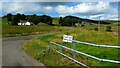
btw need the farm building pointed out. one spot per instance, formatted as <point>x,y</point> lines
<point>24,23</point>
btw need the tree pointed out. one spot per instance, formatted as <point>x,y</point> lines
<point>60,20</point>
<point>66,22</point>
<point>49,20</point>
<point>46,19</point>
<point>30,18</point>
<point>34,19</point>
<point>18,15</point>
<point>9,17</point>
<point>69,21</point>
<point>23,17</point>
<point>16,19</point>
<point>37,19</point>
<point>109,28</point>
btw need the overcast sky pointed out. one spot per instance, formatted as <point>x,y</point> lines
<point>84,9</point>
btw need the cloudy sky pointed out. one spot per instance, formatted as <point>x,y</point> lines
<point>105,10</point>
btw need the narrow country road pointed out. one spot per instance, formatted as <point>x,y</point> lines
<point>13,55</point>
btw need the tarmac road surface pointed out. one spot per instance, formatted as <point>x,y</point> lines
<point>13,55</point>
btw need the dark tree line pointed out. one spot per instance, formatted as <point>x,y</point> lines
<point>15,19</point>
<point>9,17</point>
<point>69,21</point>
<point>37,19</point>
<point>72,20</point>
<point>46,19</point>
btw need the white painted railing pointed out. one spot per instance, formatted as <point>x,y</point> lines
<point>97,45</point>
<point>75,51</point>
<point>108,46</point>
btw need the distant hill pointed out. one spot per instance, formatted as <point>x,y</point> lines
<point>76,19</point>
<point>111,21</point>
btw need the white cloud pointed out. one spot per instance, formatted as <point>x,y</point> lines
<point>47,9</point>
<point>20,7</point>
<point>62,15</point>
<point>62,9</point>
<point>104,17</point>
<point>24,7</point>
<point>84,8</point>
<point>96,16</point>
<point>94,10</point>
<point>112,17</point>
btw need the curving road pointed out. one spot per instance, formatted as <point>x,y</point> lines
<point>12,54</point>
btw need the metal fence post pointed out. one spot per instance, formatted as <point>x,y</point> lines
<point>74,49</point>
<point>49,46</point>
<point>60,48</point>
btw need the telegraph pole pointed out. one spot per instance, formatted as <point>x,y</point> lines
<point>99,25</point>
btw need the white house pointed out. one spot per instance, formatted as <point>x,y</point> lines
<point>24,23</point>
<point>27,23</point>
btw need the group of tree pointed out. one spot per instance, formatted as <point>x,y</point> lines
<point>69,21</point>
<point>37,19</point>
<point>15,19</point>
<point>9,17</point>
<point>72,20</point>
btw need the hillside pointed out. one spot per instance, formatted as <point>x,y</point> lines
<point>77,19</point>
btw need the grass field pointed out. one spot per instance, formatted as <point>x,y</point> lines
<point>5,22</point>
<point>80,34</point>
<point>56,21</point>
<point>13,31</point>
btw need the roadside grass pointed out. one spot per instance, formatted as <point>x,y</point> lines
<point>37,46</point>
<point>39,51</point>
